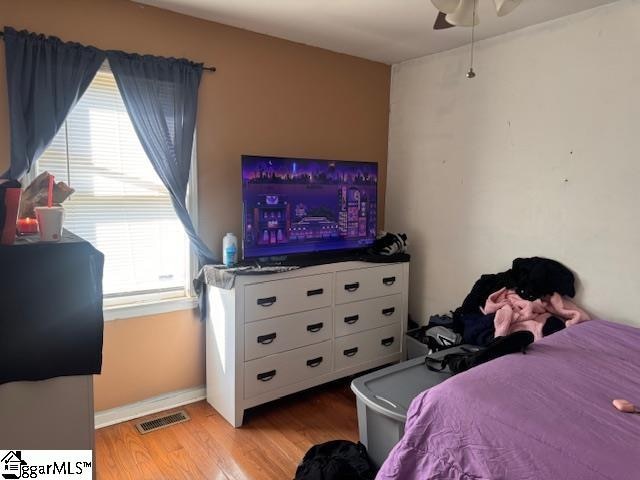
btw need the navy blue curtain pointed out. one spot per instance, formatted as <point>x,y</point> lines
<point>161,98</point>
<point>45,79</point>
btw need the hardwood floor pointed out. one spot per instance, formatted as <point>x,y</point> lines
<point>270,444</point>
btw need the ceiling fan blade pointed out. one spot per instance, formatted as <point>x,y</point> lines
<point>441,22</point>
<point>446,6</point>
<point>464,15</point>
<point>504,7</point>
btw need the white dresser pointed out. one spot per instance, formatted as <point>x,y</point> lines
<point>272,335</point>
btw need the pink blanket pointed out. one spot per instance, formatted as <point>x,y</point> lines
<point>513,313</point>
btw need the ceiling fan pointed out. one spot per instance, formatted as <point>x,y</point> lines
<point>462,13</point>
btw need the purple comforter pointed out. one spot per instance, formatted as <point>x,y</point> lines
<point>546,415</point>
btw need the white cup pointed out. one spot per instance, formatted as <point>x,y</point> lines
<point>50,223</point>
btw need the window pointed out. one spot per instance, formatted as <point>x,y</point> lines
<point>119,205</point>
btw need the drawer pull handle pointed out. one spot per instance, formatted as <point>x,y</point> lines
<point>352,287</point>
<point>267,339</point>
<point>315,327</point>
<point>352,319</point>
<point>350,352</point>
<point>388,281</point>
<point>266,302</point>
<point>266,376</point>
<point>388,311</point>
<point>387,341</point>
<point>314,362</point>
<point>317,291</point>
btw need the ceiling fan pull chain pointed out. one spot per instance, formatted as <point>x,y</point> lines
<point>471,73</point>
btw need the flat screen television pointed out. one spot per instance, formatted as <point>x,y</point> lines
<point>303,206</point>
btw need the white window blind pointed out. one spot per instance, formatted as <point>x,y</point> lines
<point>119,204</point>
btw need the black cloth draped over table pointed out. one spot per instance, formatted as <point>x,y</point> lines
<point>50,309</point>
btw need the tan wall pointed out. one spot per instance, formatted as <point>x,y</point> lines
<point>269,96</point>
<point>146,356</point>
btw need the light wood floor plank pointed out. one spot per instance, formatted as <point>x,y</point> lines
<point>269,445</point>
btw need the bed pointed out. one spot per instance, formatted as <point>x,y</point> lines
<point>544,415</point>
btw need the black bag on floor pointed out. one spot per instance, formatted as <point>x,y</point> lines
<point>336,460</point>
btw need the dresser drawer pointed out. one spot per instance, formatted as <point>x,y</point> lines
<point>373,282</point>
<point>367,314</point>
<point>281,369</point>
<point>290,295</point>
<point>365,346</point>
<point>275,335</point>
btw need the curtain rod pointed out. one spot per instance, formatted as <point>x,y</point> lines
<point>209,69</point>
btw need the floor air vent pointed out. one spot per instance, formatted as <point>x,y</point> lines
<point>162,422</point>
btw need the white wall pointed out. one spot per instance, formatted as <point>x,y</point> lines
<point>538,155</point>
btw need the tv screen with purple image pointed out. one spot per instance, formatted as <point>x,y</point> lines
<point>298,205</point>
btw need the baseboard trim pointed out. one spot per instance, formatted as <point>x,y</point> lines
<point>104,418</point>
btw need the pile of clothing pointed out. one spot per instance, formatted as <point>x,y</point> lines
<point>531,296</point>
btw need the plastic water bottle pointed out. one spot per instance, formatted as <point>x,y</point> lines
<point>229,250</point>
